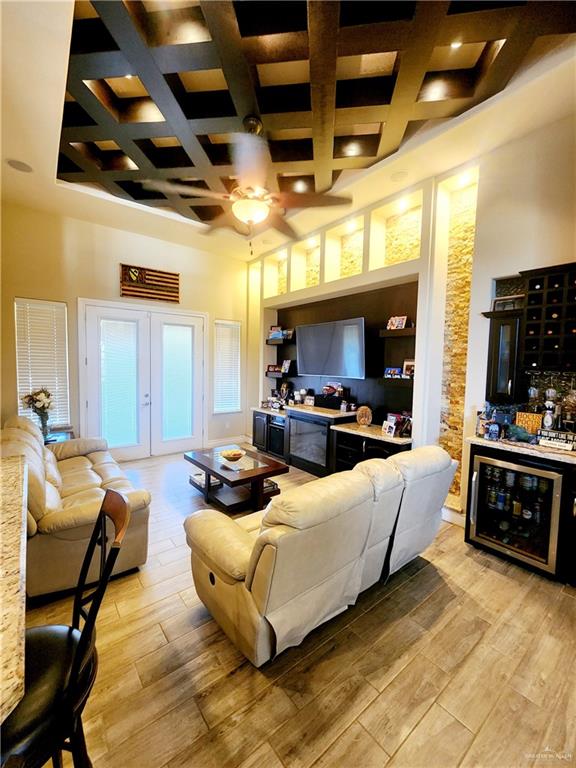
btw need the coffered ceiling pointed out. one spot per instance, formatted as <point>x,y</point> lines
<point>156,87</point>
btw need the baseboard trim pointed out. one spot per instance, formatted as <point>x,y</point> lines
<point>450,516</point>
<point>228,440</point>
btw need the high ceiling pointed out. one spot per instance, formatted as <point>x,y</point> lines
<point>156,88</point>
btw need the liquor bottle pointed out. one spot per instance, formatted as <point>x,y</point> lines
<point>500,500</point>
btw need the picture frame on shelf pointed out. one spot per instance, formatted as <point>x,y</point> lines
<point>285,366</point>
<point>287,334</point>
<point>392,373</point>
<point>309,400</point>
<point>503,303</point>
<point>408,368</point>
<point>388,429</point>
<point>397,323</point>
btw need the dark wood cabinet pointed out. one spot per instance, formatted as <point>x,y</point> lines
<point>259,430</point>
<point>504,379</point>
<point>549,332</point>
<point>349,449</point>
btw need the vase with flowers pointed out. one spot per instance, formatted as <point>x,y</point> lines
<point>40,402</point>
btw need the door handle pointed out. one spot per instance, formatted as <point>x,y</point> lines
<point>148,403</point>
<point>474,498</point>
<point>509,387</point>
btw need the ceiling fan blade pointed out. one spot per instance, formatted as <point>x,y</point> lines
<point>228,221</point>
<point>182,189</point>
<point>308,200</point>
<point>251,158</point>
<point>279,223</point>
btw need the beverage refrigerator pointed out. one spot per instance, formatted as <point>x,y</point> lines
<point>523,508</point>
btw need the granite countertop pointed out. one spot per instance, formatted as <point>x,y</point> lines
<point>542,452</point>
<point>327,413</point>
<point>374,432</point>
<point>13,503</point>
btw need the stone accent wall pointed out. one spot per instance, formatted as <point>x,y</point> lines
<point>351,253</point>
<point>403,237</point>
<point>282,275</point>
<point>313,267</point>
<point>460,253</point>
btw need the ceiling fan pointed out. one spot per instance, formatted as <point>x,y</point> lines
<point>251,203</point>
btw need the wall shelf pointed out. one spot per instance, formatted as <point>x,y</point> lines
<point>396,382</point>
<point>386,334</point>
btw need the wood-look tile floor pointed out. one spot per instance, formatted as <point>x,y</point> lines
<point>461,659</point>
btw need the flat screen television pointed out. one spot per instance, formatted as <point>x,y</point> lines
<point>332,349</point>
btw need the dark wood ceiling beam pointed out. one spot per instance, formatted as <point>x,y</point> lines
<point>223,27</point>
<point>92,66</point>
<point>268,49</point>
<point>433,110</point>
<point>374,38</point>
<point>510,55</point>
<point>118,21</point>
<point>347,116</point>
<point>186,57</point>
<point>323,21</point>
<point>413,67</point>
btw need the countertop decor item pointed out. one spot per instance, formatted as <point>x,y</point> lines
<point>364,416</point>
<point>232,454</point>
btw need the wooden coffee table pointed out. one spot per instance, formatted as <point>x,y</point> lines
<point>235,486</point>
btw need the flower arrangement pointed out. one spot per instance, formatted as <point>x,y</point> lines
<point>40,401</point>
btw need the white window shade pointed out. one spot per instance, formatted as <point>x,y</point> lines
<point>226,366</point>
<point>42,355</point>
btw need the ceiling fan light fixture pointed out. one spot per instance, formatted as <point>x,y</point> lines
<point>250,210</point>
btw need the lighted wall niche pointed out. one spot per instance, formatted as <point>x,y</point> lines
<point>276,274</point>
<point>344,251</point>
<point>305,264</point>
<point>395,232</point>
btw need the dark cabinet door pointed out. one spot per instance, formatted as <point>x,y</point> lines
<point>259,424</point>
<point>503,379</point>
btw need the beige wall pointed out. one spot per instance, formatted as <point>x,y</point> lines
<point>46,256</point>
<point>526,218</point>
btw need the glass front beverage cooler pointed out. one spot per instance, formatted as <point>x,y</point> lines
<point>515,509</point>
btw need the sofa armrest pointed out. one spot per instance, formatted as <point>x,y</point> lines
<point>220,542</point>
<point>79,446</point>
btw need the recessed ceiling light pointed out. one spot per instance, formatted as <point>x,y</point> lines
<point>300,186</point>
<point>311,242</point>
<point>455,45</point>
<point>402,204</point>
<point>351,227</point>
<point>352,149</point>
<point>19,165</point>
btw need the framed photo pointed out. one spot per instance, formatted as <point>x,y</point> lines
<point>287,333</point>
<point>408,368</point>
<point>309,400</point>
<point>285,366</point>
<point>397,322</point>
<point>388,429</point>
<point>392,373</point>
<point>275,328</point>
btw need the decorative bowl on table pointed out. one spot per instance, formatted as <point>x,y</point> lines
<point>232,454</point>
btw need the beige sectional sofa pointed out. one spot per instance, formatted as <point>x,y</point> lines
<point>66,484</point>
<point>273,576</point>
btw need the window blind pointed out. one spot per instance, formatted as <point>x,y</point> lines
<point>226,366</point>
<point>42,356</point>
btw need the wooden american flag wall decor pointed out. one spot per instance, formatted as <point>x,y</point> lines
<point>144,283</point>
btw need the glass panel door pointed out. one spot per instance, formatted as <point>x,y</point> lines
<point>118,378</point>
<point>516,510</point>
<point>177,355</point>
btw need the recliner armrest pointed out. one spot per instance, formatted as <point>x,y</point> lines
<point>79,446</point>
<point>220,542</point>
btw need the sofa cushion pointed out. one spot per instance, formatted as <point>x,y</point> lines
<point>79,509</point>
<point>21,422</point>
<point>79,446</point>
<point>73,464</point>
<point>51,467</point>
<point>12,433</point>
<point>53,500</point>
<point>138,498</point>
<point>108,472</point>
<point>36,473</point>
<point>383,475</point>
<point>101,457</point>
<point>421,462</point>
<point>81,480</point>
<point>318,501</point>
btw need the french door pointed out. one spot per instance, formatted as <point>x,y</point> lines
<point>144,379</point>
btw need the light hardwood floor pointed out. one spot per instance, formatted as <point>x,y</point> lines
<point>461,659</point>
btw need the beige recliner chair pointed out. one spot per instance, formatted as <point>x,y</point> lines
<point>271,577</point>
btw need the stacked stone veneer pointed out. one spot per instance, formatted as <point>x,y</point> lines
<point>403,237</point>
<point>351,253</point>
<point>312,267</point>
<point>460,252</point>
